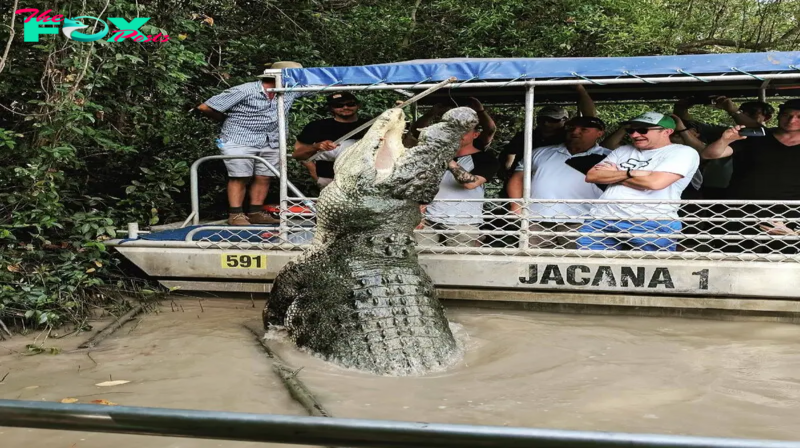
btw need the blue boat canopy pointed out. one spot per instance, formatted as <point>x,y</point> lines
<point>500,69</point>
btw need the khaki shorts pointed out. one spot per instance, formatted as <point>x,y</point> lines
<point>449,239</point>
<point>248,167</point>
<point>554,241</point>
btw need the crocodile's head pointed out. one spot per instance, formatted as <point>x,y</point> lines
<point>379,164</point>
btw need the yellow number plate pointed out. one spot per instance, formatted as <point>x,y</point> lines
<point>243,261</point>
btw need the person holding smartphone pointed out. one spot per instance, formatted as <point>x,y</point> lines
<point>764,168</point>
<point>752,114</point>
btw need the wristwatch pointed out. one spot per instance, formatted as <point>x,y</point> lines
<point>629,173</point>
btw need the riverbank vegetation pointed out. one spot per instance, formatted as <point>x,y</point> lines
<point>96,135</point>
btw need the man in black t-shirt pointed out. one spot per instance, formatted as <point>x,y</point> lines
<point>764,168</point>
<point>717,173</point>
<point>548,132</point>
<point>317,138</point>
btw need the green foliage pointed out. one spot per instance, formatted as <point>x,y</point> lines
<point>96,135</point>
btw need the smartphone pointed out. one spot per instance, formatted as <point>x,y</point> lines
<point>752,132</point>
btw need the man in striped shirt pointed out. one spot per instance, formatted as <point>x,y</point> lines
<point>250,127</point>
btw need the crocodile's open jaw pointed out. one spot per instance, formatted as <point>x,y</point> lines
<point>391,146</point>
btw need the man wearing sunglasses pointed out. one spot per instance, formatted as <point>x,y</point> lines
<point>651,168</point>
<point>318,137</point>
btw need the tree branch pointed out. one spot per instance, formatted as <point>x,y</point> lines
<point>792,31</point>
<point>10,36</point>
<point>750,45</point>
<point>87,61</point>
<point>412,26</point>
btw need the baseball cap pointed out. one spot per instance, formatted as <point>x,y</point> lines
<point>587,122</point>
<point>278,66</point>
<point>790,105</point>
<point>341,97</point>
<point>556,112</point>
<point>653,119</point>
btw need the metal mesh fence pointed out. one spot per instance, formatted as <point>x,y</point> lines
<point>727,230</point>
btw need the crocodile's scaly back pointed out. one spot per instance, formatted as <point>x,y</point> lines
<point>359,297</point>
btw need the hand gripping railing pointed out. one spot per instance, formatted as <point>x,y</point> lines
<point>193,184</point>
<point>331,431</point>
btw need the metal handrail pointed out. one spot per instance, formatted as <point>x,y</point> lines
<point>300,430</point>
<point>253,228</point>
<point>193,182</point>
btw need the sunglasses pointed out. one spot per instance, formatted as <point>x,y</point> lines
<point>348,104</point>
<point>641,131</point>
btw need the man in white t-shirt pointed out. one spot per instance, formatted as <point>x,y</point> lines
<point>556,174</point>
<point>652,168</point>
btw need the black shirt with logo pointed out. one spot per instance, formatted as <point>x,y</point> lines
<point>764,168</point>
<point>328,129</point>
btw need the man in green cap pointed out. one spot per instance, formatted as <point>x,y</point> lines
<point>651,168</point>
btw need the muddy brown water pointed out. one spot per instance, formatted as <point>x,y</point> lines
<point>600,373</point>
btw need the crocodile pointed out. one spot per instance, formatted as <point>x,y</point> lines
<point>358,297</point>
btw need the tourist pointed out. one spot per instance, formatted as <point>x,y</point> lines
<point>554,177</point>
<point>318,137</point>
<point>764,168</point>
<point>717,173</point>
<point>549,130</point>
<point>465,177</point>
<point>250,127</point>
<point>653,168</point>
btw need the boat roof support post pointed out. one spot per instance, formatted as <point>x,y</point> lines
<point>193,187</point>
<point>283,180</point>
<point>526,165</point>
<point>762,91</point>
